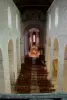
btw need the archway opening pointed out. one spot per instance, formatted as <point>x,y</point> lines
<point>11,64</point>
<point>30,31</point>
<point>65,71</point>
<point>31,39</point>
<point>33,42</point>
<point>48,54</point>
<point>55,63</point>
<point>34,36</point>
<point>2,80</point>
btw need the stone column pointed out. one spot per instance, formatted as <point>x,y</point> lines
<point>6,70</point>
<point>37,39</point>
<point>51,58</point>
<point>22,53</point>
<point>51,66</point>
<point>15,62</point>
<point>60,69</point>
<point>19,58</point>
<point>36,36</point>
<point>25,37</point>
<point>31,39</point>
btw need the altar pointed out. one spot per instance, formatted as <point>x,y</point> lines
<point>34,53</point>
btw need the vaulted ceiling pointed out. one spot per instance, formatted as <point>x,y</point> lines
<point>33,4</point>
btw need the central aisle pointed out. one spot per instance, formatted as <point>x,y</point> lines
<point>33,78</point>
<point>34,83</point>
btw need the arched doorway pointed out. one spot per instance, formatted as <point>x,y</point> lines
<point>65,71</point>
<point>2,80</point>
<point>55,63</point>
<point>48,54</point>
<point>17,51</point>
<point>11,63</point>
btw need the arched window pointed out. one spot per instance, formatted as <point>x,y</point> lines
<point>34,38</point>
<point>9,18</point>
<point>16,21</point>
<point>56,17</point>
<point>49,22</point>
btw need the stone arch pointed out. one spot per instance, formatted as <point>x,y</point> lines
<point>2,79</point>
<point>65,71</point>
<point>11,63</point>
<point>55,62</point>
<point>27,30</point>
<point>17,53</point>
<point>48,53</point>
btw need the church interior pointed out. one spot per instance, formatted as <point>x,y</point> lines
<point>33,46</point>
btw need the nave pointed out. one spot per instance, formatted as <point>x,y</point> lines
<point>33,31</point>
<point>33,78</point>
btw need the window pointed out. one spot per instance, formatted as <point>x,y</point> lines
<point>49,22</point>
<point>33,38</point>
<point>56,17</point>
<point>16,21</point>
<point>9,18</point>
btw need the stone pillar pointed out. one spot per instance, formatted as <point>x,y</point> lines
<point>51,58</point>
<point>15,62</point>
<point>60,68</point>
<point>46,49</point>
<point>37,39</point>
<point>6,70</point>
<point>22,49</point>
<point>19,59</point>
<point>19,54</point>
<point>31,39</point>
<point>36,36</point>
<point>25,37</point>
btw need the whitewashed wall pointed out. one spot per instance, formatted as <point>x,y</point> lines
<point>57,28</point>
<point>6,34</point>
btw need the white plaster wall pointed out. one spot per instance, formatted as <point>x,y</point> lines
<point>61,28</point>
<point>5,35</point>
<point>59,31</point>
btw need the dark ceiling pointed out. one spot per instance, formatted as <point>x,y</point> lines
<point>33,4</point>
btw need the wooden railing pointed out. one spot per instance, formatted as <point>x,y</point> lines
<point>39,96</point>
